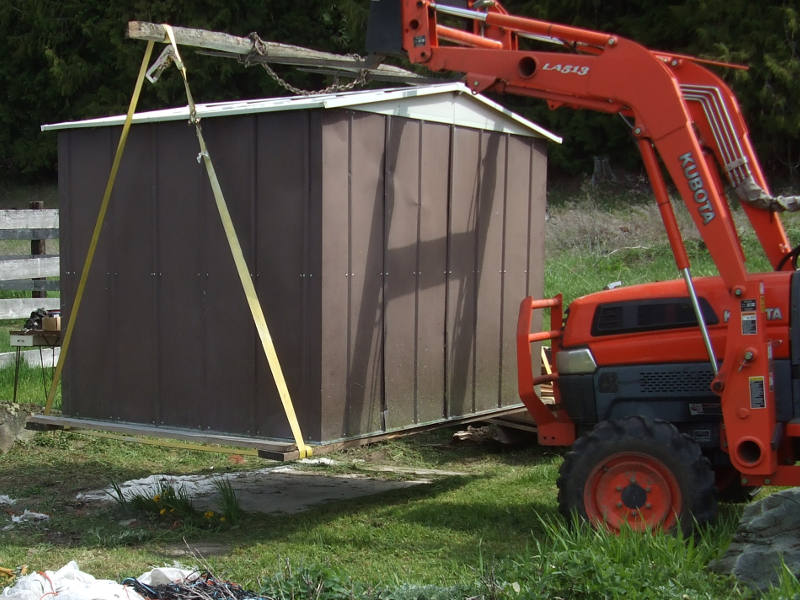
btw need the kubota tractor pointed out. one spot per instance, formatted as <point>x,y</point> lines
<point>668,392</point>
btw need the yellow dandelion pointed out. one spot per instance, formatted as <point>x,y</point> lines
<point>222,519</point>
<point>162,511</point>
<point>209,514</point>
<point>157,498</point>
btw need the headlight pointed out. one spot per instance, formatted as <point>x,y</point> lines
<point>575,362</point>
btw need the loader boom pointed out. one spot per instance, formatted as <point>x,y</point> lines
<point>686,121</point>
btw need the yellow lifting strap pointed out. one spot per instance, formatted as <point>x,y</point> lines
<point>98,226</point>
<point>241,265</point>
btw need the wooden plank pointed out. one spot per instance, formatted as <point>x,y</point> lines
<point>27,285</point>
<point>29,219</point>
<point>141,30</point>
<point>28,234</point>
<point>27,267</point>
<point>20,308</point>
<point>286,54</point>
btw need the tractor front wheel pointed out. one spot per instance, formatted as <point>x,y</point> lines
<point>638,473</point>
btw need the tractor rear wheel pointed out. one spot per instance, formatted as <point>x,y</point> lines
<point>638,473</point>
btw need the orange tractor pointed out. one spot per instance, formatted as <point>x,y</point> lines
<point>672,392</point>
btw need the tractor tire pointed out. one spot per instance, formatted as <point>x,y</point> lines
<point>639,473</point>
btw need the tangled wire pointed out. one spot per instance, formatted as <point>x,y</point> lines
<point>203,587</point>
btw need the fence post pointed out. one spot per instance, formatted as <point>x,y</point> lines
<point>38,247</point>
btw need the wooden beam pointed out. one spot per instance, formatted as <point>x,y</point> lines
<point>224,44</point>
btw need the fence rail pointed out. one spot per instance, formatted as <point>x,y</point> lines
<point>28,272</point>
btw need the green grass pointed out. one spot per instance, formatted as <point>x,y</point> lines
<point>486,534</point>
<point>33,385</point>
<point>492,533</point>
<point>19,195</point>
<point>605,236</point>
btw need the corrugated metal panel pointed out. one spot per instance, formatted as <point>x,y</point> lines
<point>462,287</point>
<point>522,169</point>
<point>365,302</point>
<point>402,162</point>
<point>282,217</point>
<point>434,153</point>
<point>230,368</point>
<point>130,287</point>
<point>313,269</point>
<point>536,232</point>
<point>335,274</point>
<point>89,164</point>
<point>489,277</point>
<point>417,157</point>
<point>183,278</point>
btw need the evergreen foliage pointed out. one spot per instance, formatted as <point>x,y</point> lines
<point>765,36</point>
<point>70,60</point>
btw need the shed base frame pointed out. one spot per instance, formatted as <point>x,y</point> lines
<point>268,448</point>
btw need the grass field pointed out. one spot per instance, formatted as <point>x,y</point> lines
<point>487,533</point>
<point>493,532</point>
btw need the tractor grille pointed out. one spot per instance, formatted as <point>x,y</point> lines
<point>675,382</point>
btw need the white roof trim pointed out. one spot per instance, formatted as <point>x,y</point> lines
<point>468,109</point>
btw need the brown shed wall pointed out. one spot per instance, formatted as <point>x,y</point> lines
<point>389,255</point>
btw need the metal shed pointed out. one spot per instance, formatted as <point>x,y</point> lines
<point>391,235</point>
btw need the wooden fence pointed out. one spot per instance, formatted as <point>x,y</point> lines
<point>28,271</point>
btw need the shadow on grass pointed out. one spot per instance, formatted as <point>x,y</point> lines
<point>51,487</point>
<point>488,506</point>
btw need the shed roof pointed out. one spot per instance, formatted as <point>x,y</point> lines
<point>451,103</point>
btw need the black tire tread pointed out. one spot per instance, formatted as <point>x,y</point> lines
<point>658,438</point>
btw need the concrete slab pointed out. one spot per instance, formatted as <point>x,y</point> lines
<point>282,489</point>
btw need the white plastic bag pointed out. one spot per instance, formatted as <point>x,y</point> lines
<point>68,583</point>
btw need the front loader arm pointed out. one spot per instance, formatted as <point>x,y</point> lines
<point>682,114</point>
<point>607,73</point>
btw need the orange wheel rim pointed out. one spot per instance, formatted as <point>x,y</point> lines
<point>632,488</point>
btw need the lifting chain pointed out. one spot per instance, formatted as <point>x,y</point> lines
<point>260,49</point>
